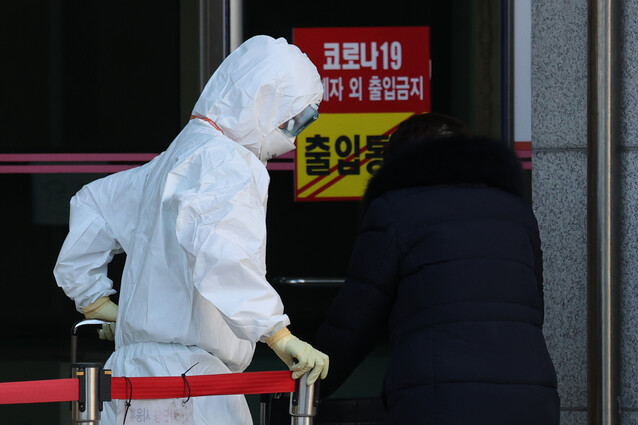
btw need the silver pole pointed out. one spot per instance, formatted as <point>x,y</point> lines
<point>603,201</point>
<point>303,402</point>
<point>202,47</point>
<point>236,24</point>
<point>212,39</point>
<point>87,409</point>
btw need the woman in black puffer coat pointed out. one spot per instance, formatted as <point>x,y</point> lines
<point>449,260</point>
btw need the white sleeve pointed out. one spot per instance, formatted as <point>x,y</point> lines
<point>81,267</point>
<point>223,232</point>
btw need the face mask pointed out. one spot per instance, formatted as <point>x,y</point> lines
<point>275,144</point>
<point>282,139</point>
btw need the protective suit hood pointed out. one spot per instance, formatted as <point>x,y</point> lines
<point>260,85</point>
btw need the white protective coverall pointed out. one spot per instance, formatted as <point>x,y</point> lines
<point>192,223</point>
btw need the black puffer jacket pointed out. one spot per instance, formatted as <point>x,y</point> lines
<point>449,259</point>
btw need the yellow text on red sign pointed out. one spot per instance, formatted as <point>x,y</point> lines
<point>338,153</point>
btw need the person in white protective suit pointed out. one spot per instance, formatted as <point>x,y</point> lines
<point>193,294</point>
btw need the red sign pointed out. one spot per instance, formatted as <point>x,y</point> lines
<point>370,69</point>
<point>373,79</point>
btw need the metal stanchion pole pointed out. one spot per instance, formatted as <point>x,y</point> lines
<point>263,409</point>
<point>303,402</point>
<point>94,388</point>
<point>94,383</point>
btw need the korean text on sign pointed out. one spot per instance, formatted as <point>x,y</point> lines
<point>370,69</point>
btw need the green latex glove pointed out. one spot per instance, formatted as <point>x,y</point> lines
<point>290,348</point>
<point>103,309</point>
<point>107,332</point>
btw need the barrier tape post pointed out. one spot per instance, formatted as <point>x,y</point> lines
<point>94,383</point>
<point>303,402</point>
<point>94,389</point>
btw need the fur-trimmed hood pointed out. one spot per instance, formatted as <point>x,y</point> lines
<point>449,161</point>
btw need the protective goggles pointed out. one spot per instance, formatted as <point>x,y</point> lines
<point>297,124</point>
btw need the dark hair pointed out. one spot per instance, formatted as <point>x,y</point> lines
<point>461,161</point>
<point>430,125</point>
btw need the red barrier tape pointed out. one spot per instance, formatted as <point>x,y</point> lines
<point>39,391</point>
<point>152,387</point>
<point>201,385</point>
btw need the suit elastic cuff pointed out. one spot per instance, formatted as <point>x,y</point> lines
<point>277,336</point>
